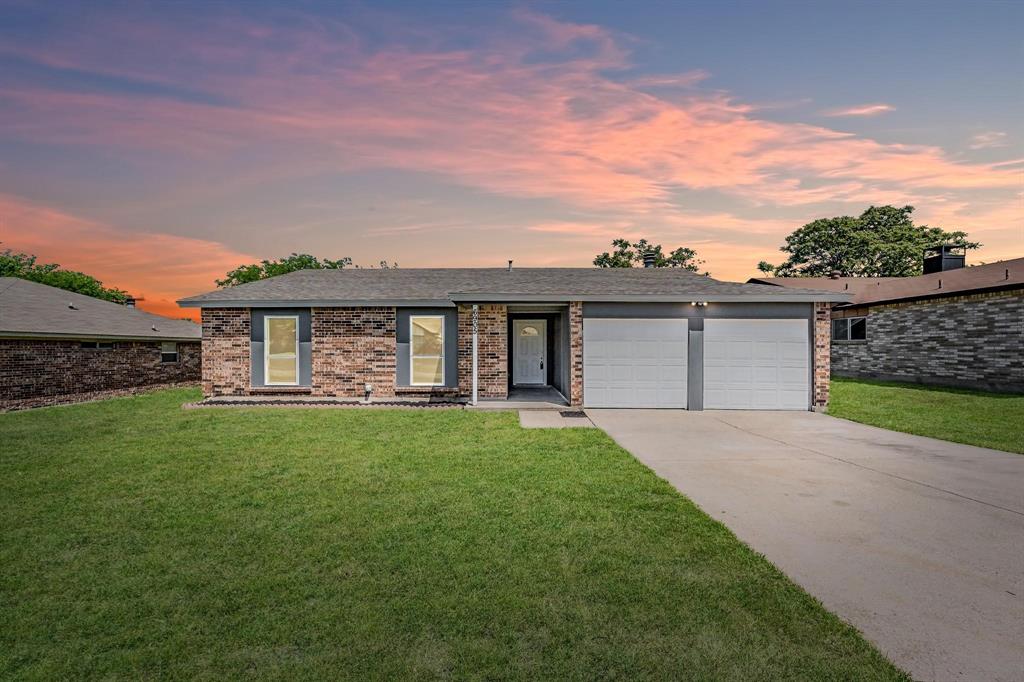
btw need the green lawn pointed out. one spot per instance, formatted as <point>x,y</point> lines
<point>990,420</point>
<point>140,540</point>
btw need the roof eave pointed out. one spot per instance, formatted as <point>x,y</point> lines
<point>318,303</point>
<point>648,298</point>
<point>88,336</point>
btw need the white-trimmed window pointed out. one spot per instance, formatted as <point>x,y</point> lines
<point>281,350</point>
<point>426,350</point>
<point>168,351</point>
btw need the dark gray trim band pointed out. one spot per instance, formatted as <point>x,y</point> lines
<point>674,298</point>
<point>513,299</point>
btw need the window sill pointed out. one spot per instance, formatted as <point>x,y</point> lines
<point>849,342</point>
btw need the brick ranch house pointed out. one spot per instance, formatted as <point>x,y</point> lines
<point>61,347</point>
<point>953,326</point>
<point>645,337</point>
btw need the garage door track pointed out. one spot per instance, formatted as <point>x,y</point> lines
<point>919,543</point>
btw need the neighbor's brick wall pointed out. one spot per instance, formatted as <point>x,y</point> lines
<point>973,341</point>
<point>492,351</point>
<point>576,353</point>
<point>822,353</point>
<point>226,351</point>
<point>50,372</point>
<point>352,347</point>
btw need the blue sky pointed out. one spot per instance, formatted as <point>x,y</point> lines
<point>157,145</point>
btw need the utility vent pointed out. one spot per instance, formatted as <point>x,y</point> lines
<point>943,258</point>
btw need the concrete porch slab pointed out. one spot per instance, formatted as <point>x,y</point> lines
<point>554,419</point>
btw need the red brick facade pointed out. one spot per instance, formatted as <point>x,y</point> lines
<point>226,368</point>
<point>576,354</point>
<point>37,372</point>
<point>352,347</point>
<point>492,351</point>
<point>822,351</point>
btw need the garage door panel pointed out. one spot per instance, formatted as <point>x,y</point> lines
<point>634,363</point>
<point>756,364</point>
<point>793,377</point>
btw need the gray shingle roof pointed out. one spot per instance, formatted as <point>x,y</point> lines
<point>443,286</point>
<point>29,309</point>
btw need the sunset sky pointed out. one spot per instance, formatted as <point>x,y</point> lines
<point>158,145</point>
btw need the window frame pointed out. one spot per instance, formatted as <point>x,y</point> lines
<point>847,338</point>
<point>165,353</point>
<point>266,350</point>
<point>413,356</point>
<point>97,345</point>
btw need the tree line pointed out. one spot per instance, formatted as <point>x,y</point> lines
<point>883,241</point>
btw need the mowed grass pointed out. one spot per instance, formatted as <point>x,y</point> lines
<point>989,420</point>
<point>140,540</point>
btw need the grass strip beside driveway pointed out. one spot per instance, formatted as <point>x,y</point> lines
<point>143,540</point>
<point>988,420</point>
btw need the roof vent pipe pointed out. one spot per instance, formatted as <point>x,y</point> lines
<point>650,258</point>
<point>510,265</point>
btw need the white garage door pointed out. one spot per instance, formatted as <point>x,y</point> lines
<point>756,365</point>
<point>634,363</point>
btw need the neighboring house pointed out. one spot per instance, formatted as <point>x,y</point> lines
<point>955,326</point>
<point>646,337</point>
<point>59,347</point>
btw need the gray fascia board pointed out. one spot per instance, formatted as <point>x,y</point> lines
<point>647,298</point>
<point>318,303</point>
<point>517,298</point>
<point>28,336</point>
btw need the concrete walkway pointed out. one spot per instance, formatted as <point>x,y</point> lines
<point>919,543</point>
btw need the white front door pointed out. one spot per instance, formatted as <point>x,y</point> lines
<point>529,348</point>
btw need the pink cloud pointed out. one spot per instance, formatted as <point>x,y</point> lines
<point>159,268</point>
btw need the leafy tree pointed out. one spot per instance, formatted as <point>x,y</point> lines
<point>882,242</point>
<point>24,266</point>
<point>272,268</point>
<point>630,254</point>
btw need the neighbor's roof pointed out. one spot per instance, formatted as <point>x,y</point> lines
<point>1007,274</point>
<point>447,286</point>
<point>33,310</point>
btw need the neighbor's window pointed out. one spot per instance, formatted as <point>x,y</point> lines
<point>850,329</point>
<point>281,349</point>
<point>168,351</point>
<point>98,345</point>
<point>426,350</point>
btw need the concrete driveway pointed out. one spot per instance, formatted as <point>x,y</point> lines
<point>918,543</point>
